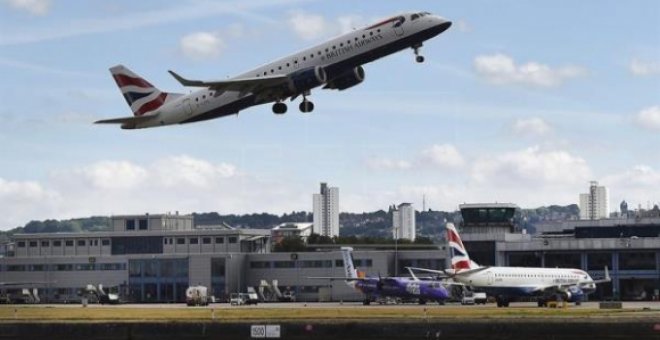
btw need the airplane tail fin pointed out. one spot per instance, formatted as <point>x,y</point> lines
<point>140,95</point>
<point>460,259</point>
<point>349,268</point>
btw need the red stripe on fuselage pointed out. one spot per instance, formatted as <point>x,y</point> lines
<point>382,23</point>
<point>152,105</point>
<point>124,80</point>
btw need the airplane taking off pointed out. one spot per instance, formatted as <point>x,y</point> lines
<point>507,282</point>
<point>335,64</point>
<point>398,287</point>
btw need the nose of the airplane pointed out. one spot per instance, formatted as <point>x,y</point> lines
<point>441,23</point>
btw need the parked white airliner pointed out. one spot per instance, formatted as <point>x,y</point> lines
<point>509,282</point>
<point>335,64</point>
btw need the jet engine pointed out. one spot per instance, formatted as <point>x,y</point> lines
<point>346,79</point>
<point>305,80</point>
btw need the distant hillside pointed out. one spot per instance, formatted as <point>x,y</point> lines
<point>377,224</point>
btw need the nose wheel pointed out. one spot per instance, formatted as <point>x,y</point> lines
<point>419,58</point>
<point>279,108</point>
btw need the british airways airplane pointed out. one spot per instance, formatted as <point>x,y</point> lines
<point>397,287</point>
<point>335,64</point>
<point>509,282</point>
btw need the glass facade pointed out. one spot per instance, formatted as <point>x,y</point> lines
<point>137,245</point>
<point>562,260</point>
<point>218,277</point>
<point>163,280</point>
<point>598,261</point>
<point>637,260</point>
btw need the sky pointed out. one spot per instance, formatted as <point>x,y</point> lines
<point>519,101</point>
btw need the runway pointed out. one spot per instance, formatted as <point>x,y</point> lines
<point>632,305</point>
<point>640,320</point>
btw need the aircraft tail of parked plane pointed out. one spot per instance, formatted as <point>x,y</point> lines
<point>460,259</point>
<point>349,267</point>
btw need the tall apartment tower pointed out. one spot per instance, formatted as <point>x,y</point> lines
<point>403,222</point>
<point>596,203</point>
<point>326,211</point>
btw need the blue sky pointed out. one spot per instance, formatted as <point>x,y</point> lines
<point>520,102</point>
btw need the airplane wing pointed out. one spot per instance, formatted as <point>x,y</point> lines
<point>131,119</point>
<point>242,85</point>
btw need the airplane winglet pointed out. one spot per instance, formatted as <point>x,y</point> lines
<point>184,81</point>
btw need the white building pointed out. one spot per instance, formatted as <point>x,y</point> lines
<point>291,229</point>
<point>326,211</point>
<point>595,204</point>
<point>403,222</point>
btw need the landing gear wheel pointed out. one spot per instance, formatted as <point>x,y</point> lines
<point>418,58</point>
<point>306,106</point>
<point>279,108</point>
<point>366,302</point>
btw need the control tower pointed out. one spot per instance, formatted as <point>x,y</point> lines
<point>483,225</point>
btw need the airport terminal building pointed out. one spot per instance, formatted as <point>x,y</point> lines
<point>629,247</point>
<point>154,258</point>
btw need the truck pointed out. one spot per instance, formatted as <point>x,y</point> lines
<point>197,296</point>
<point>238,299</point>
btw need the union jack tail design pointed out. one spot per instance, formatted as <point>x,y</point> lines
<point>459,256</point>
<point>140,95</point>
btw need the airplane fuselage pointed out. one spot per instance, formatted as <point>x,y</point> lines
<point>527,281</point>
<point>404,288</point>
<point>337,57</point>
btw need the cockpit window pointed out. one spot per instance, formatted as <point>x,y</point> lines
<point>414,17</point>
<point>399,21</point>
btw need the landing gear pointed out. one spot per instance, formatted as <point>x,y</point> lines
<point>279,108</point>
<point>306,106</point>
<point>541,302</point>
<point>421,301</point>
<point>502,301</point>
<point>419,58</point>
<point>366,301</point>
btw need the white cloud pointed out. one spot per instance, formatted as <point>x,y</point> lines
<point>649,118</point>
<point>534,126</point>
<point>182,183</point>
<point>644,68</point>
<point>34,7</point>
<point>437,156</point>
<point>186,170</point>
<point>463,26</point>
<point>502,69</point>
<point>443,156</point>
<point>137,19</point>
<point>21,201</point>
<point>532,165</point>
<point>307,26</point>
<point>112,175</point>
<point>201,45</point>
<point>383,163</point>
<point>310,26</point>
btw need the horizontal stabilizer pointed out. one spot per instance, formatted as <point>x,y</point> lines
<point>122,120</point>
